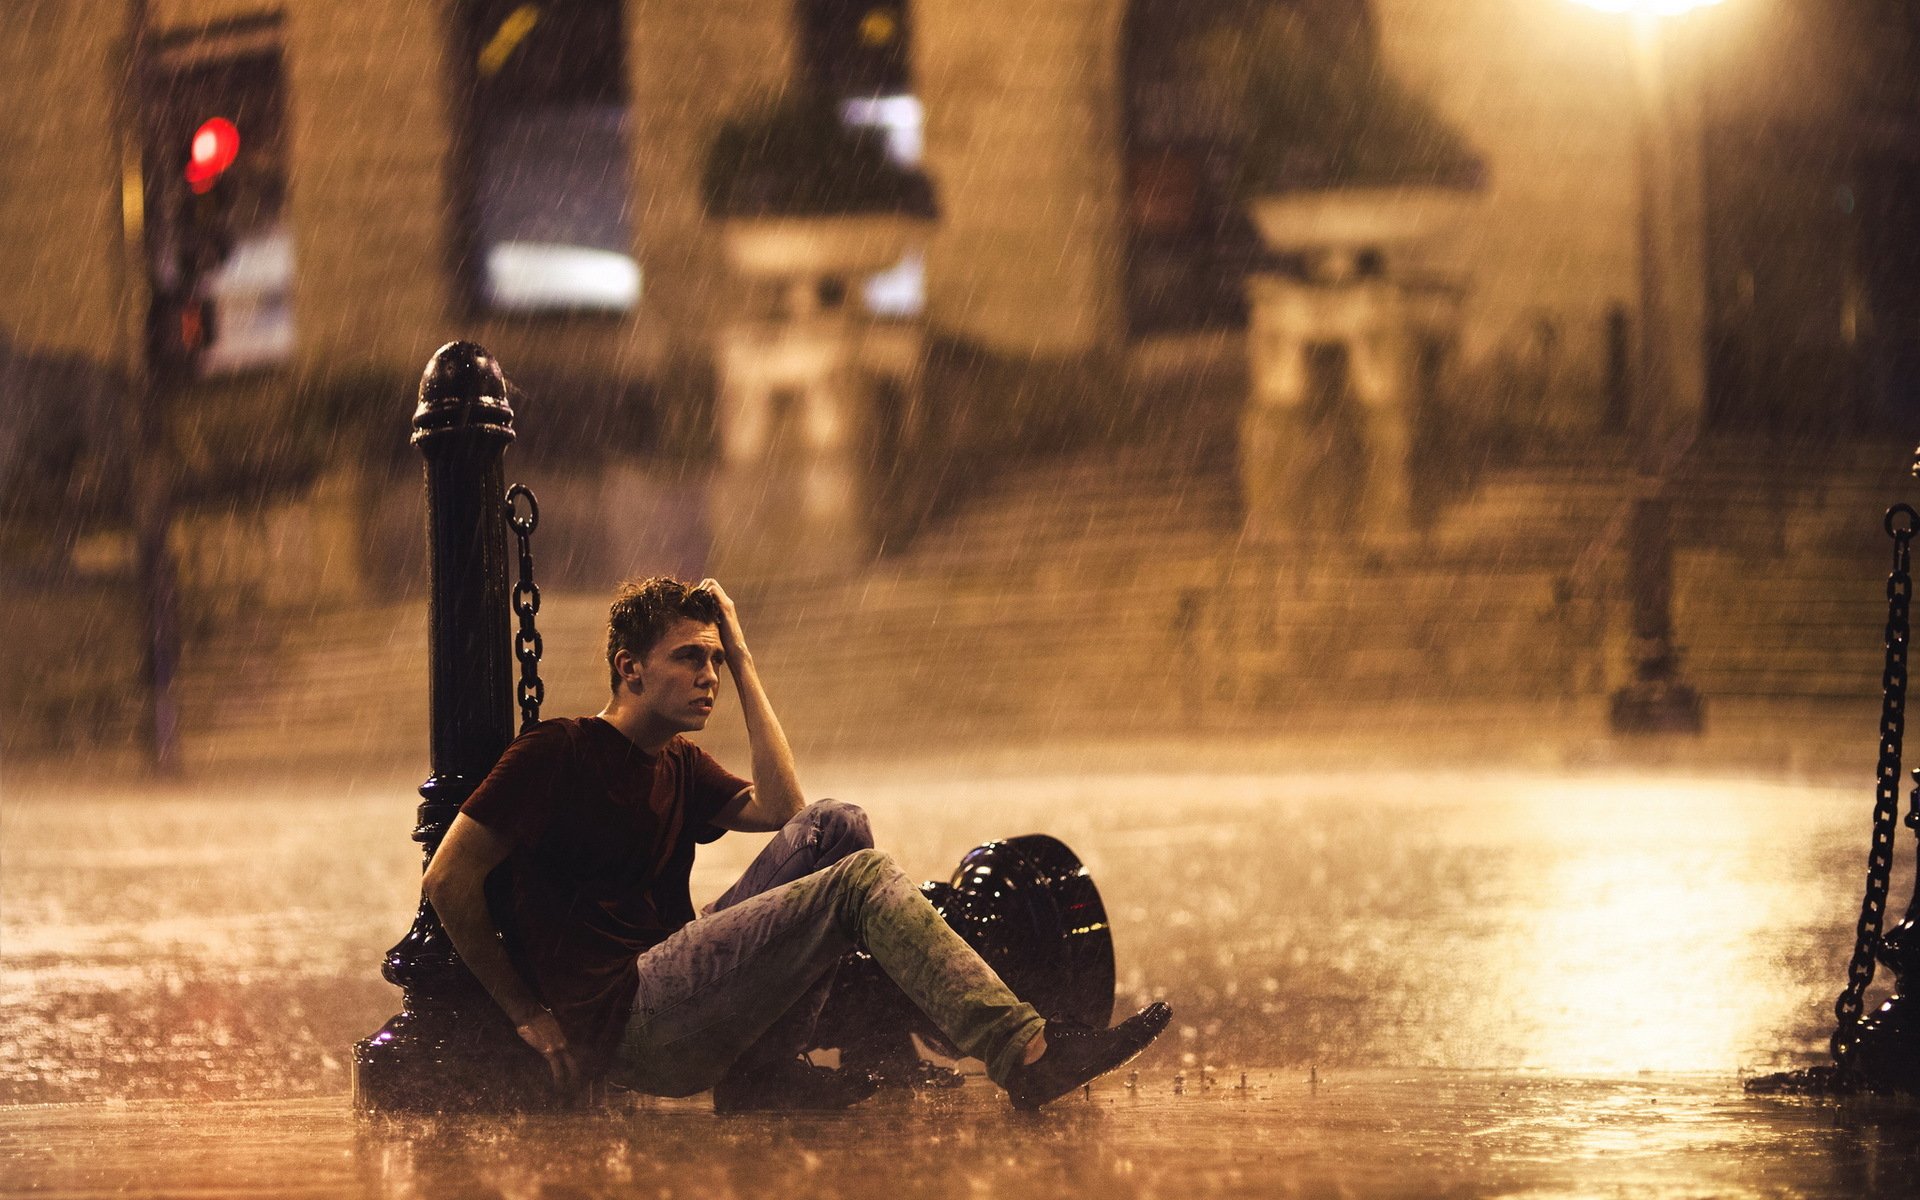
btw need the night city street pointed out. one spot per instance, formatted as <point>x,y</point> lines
<point>1347,563</point>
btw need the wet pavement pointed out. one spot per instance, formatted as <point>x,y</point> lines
<point>1451,982</point>
<point>1368,1133</point>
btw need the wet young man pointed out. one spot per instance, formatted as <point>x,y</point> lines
<point>563,884</point>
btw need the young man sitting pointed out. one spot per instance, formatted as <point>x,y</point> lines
<point>586,936</point>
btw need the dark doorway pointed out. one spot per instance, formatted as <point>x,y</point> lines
<point>858,54</point>
<point>856,48</point>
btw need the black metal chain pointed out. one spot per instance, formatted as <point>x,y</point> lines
<point>1886,806</point>
<point>526,605</point>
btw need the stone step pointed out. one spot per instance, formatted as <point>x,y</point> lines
<point>1040,532</point>
<point>977,668</point>
<point>1079,596</point>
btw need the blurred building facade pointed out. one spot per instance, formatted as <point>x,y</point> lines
<point>529,176</point>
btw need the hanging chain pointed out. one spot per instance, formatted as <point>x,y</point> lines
<point>526,605</point>
<point>1886,806</point>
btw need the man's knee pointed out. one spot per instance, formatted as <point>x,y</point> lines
<point>839,822</point>
<point>862,883</point>
<point>863,870</point>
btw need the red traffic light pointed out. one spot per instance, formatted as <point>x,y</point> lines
<point>214,147</point>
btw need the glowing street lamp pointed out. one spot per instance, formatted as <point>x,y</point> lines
<point>1656,699</point>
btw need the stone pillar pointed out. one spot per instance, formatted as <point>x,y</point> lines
<point>1327,437</point>
<point>1339,343</point>
<point>814,394</point>
<point>63,253</point>
<point>369,168</point>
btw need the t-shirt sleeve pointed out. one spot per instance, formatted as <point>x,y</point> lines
<point>710,788</point>
<point>516,799</point>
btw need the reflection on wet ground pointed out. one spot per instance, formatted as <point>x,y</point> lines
<point>1368,1133</point>
<point>1497,977</point>
<point>224,944</point>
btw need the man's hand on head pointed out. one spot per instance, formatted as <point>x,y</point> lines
<point>775,797</point>
<point>731,638</point>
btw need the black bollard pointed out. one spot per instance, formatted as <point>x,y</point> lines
<point>1885,1053</point>
<point>1879,1052</point>
<point>451,1048</point>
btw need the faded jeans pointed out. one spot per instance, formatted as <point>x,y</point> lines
<point>741,986</point>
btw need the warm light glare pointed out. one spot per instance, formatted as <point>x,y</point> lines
<point>1633,911</point>
<point>547,275</point>
<point>133,199</point>
<point>214,147</point>
<point>507,38</point>
<point>878,28</point>
<point>1648,8</point>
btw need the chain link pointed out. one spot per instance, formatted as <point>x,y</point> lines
<point>1886,806</point>
<point>527,645</point>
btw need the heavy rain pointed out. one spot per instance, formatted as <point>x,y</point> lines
<point>1372,522</point>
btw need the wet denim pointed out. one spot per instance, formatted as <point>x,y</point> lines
<point>743,983</point>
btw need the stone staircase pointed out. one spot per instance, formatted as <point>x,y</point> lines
<point>1538,516</point>
<point>1110,594</point>
<point>1050,595</point>
<point>1805,628</point>
<point>1423,629</point>
<point>1780,560</point>
<point>1095,596</point>
<point>346,687</point>
<point>1797,607</point>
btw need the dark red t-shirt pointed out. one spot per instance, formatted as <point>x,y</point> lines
<point>603,836</point>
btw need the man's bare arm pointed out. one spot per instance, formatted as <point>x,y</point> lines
<point>455,884</point>
<point>775,797</point>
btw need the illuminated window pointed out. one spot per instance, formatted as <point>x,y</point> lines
<point>547,154</point>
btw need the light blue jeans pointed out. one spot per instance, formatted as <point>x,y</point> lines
<point>741,986</point>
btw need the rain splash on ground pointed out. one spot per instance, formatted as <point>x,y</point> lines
<point>1461,981</point>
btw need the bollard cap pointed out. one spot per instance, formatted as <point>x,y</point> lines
<point>463,388</point>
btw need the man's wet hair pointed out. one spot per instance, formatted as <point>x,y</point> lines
<point>644,609</point>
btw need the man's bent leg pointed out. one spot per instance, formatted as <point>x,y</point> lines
<point>823,833</point>
<point>713,989</point>
<point>820,835</point>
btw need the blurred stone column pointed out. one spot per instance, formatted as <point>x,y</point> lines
<point>1306,458</point>
<point>805,381</point>
<point>1334,345</point>
<point>1327,440</point>
<point>1023,137</point>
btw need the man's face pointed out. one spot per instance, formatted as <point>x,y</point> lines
<point>680,676</point>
